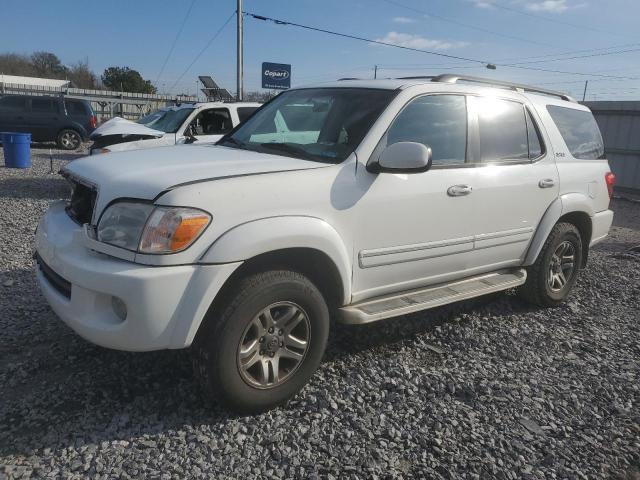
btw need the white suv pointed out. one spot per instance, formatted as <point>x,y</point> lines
<point>357,200</point>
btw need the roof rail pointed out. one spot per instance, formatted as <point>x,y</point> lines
<point>452,78</point>
<point>348,78</point>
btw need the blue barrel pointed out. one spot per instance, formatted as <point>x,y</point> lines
<point>17,149</point>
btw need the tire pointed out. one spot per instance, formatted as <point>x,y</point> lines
<point>541,288</point>
<point>68,139</point>
<point>220,351</point>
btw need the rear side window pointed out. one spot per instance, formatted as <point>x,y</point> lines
<point>13,104</point>
<point>438,121</point>
<point>44,105</point>
<point>76,108</point>
<point>502,128</point>
<point>245,112</point>
<point>579,131</point>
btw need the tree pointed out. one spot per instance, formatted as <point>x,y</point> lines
<point>81,75</point>
<point>127,80</point>
<point>15,64</point>
<point>48,65</point>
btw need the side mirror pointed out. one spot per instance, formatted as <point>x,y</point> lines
<point>403,157</point>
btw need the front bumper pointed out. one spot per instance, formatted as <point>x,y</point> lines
<point>164,305</point>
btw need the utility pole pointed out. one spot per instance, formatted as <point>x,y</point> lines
<point>584,94</point>
<point>375,71</point>
<point>239,60</point>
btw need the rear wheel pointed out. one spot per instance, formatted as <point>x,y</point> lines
<point>262,346</point>
<point>553,275</point>
<point>68,139</point>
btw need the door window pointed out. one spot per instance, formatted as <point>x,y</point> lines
<point>579,131</point>
<point>502,129</point>
<point>437,121</point>
<point>13,104</point>
<point>44,105</point>
<point>536,148</point>
<point>245,112</point>
<point>215,121</point>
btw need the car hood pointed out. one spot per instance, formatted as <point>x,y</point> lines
<point>120,126</point>
<point>147,173</point>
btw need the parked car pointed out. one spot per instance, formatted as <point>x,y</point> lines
<point>187,123</point>
<point>355,200</point>
<point>67,121</point>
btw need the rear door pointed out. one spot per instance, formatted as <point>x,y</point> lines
<point>45,118</point>
<point>515,181</point>
<point>13,114</point>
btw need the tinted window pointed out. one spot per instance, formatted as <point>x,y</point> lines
<point>535,143</point>
<point>75,108</point>
<point>245,112</point>
<point>502,129</point>
<point>44,105</point>
<point>579,131</point>
<point>13,103</point>
<point>438,121</point>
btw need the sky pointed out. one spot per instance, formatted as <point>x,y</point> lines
<point>140,34</point>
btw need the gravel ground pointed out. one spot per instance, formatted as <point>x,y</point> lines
<point>491,389</point>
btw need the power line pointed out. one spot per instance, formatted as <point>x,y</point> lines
<point>208,44</point>
<point>466,25</point>
<point>175,40</point>
<point>474,60</point>
<point>579,56</point>
<point>362,39</point>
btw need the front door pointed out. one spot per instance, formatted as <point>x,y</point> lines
<point>417,229</point>
<point>210,125</point>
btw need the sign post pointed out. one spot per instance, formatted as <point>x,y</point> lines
<point>276,76</point>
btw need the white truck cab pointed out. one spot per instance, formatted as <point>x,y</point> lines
<point>187,123</point>
<point>355,200</point>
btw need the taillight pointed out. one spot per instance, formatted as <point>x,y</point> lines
<point>610,180</point>
<point>93,121</point>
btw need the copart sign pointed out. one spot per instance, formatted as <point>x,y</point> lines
<point>276,76</point>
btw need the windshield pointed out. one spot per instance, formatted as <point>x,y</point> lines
<point>152,117</point>
<point>323,124</point>
<point>167,121</point>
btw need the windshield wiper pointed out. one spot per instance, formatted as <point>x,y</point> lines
<point>288,148</point>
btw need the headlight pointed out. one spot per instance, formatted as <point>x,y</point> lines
<point>145,228</point>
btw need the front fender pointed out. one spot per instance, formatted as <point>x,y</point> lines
<point>570,202</point>
<point>266,235</point>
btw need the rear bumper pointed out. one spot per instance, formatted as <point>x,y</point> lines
<point>600,225</point>
<point>164,305</point>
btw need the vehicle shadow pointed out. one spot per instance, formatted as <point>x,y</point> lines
<point>34,188</point>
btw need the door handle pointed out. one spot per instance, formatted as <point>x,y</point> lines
<point>546,183</point>
<point>459,190</point>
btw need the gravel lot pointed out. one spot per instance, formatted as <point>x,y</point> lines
<point>491,389</point>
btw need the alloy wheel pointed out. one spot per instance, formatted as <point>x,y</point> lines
<point>273,345</point>
<point>561,266</point>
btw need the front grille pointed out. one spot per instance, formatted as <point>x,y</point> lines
<point>62,286</point>
<point>82,202</point>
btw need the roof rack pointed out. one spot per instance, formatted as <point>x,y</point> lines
<point>452,78</point>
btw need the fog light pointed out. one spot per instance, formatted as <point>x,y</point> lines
<point>119,308</point>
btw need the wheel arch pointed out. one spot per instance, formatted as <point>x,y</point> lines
<point>306,244</point>
<point>572,208</point>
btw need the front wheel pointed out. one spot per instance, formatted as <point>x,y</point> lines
<point>555,271</point>
<point>262,346</point>
<point>68,139</point>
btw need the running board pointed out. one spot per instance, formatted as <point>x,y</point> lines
<point>411,301</point>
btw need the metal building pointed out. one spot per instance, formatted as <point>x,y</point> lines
<point>620,126</point>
